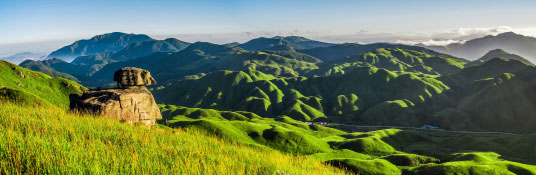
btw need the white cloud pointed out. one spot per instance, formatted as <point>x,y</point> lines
<point>431,42</point>
<point>471,33</point>
<point>459,35</point>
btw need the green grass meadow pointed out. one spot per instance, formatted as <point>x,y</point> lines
<point>48,140</point>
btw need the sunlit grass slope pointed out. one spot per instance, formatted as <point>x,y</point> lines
<point>345,98</point>
<point>47,140</point>
<point>388,151</point>
<point>30,87</point>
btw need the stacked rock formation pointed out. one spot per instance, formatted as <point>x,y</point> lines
<point>131,102</point>
<point>131,76</point>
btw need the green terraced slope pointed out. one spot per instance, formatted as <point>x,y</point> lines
<point>337,98</point>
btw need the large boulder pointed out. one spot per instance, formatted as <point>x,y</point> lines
<point>132,105</point>
<point>131,102</point>
<point>131,76</point>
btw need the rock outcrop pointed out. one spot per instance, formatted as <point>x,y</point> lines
<point>131,76</point>
<point>131,102</point>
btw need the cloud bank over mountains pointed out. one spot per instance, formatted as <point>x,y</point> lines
<point>459,35</point>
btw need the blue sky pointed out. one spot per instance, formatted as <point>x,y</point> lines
<point>38,23</point>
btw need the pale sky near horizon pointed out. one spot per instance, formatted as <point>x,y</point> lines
<point>41,26</point>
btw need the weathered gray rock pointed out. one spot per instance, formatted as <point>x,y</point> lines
<point>131,76</point>
<point>132,105</point>
<point>131,102</point>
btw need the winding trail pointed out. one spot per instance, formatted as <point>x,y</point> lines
<point>423,129</point>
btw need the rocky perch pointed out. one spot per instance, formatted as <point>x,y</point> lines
<point>131,102</point>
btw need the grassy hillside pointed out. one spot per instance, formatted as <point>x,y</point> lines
<point>389,151</point>
<point>395,59</point>
<point>30,87</point>
<point>275,56</point>
<point>496,95</point>
<point>53,67</point>
<point>337,98</point>
<point>341,51</point>
<point>47,140</point>
<point>206,57</point>
<point>283,134</point>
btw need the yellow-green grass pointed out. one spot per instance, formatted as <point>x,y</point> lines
<point>48,140</point>
<point>31,87</point>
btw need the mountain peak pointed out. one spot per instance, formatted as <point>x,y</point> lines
<point>508,34</point>
<point>283,43</point>
<point>108,42</point>
<point>475,48</point>
<point>292,38</point>
<point>497,51</point>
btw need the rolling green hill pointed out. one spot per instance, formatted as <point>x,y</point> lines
<point>293,54</point>
<point>390,151</point>
<point>249,107</point>
<point>48,140</point>
<point>38,137</point>
<point>207,57</point>
<point>52,67</point>
<point>395,59</point>
<point>338,98</point>
<point>34,88</point>
<point>496,95</point>
<point>341,51</point>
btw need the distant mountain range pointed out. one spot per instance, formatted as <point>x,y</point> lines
<point>291,56</point>
<point>110,42</point>
<point>523,46</point>
<point>280,43</point>
<point>498,53</point>
<point>144,48</point>
<point>19,57</point>
<point>106,49</point>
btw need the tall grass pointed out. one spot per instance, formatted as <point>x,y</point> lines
<point>48,140</point>
<point>35,86</point>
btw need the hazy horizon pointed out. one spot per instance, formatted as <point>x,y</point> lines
<point>37,26</point>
